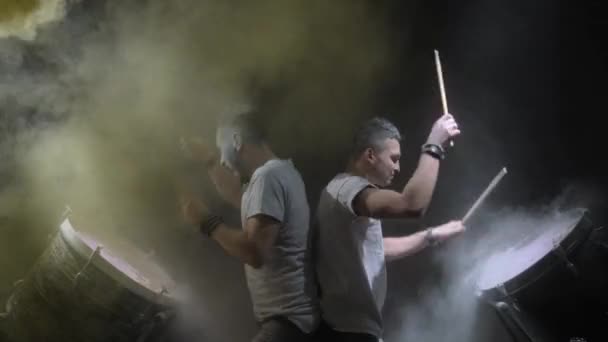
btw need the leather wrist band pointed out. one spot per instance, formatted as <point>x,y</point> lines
<point>210,223</point>
<point>434,151</point>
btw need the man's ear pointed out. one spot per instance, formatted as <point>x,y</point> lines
<point>370,155</point>
<point>237,141</point>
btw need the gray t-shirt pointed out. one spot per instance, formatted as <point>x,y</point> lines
<point>350,260</point>
<point>284,285</point>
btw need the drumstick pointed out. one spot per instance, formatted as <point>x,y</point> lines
<point>444,100</point>
<point>483,196</point>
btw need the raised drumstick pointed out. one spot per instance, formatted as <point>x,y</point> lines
<point>444,100</point>
<point>485,194</point>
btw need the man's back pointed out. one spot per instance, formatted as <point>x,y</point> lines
<point>284,285</point>
<point>349,260</point>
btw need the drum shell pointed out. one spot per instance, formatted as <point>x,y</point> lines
<point>566,292</point>
<point>52,305</point>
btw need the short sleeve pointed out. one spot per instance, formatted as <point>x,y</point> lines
<point>267,197</point>
<point>349,188</point>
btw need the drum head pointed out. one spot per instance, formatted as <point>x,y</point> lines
<point>521,255</point>
<point>122,261</point>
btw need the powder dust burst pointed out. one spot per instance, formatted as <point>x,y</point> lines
<point>21,18</point>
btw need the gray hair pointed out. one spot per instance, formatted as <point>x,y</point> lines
<point>248,126</point>
<point>372,134</point>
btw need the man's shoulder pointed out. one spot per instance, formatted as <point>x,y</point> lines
<point>277,170</point>
<point>345,180</point>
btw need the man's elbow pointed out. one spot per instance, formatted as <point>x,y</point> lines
<point>254,259</point>
<point>414,202</point>
<point>416,212</point>
<point>255,263</point>
<point>413,206</point>
<point>401,210</point>
<point>411,209</point>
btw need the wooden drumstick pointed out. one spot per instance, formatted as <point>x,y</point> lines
<point>485,194</point>
<point>444,100</point>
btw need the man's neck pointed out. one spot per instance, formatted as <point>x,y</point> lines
<point>355,168</point>
<point>257,157</point>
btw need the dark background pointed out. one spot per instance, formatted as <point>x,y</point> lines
<point>523,79</point>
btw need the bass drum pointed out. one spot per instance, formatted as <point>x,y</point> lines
<point>88,288</point>
<point>553,287</point>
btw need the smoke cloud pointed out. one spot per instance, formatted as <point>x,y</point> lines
<point>95,97</point>
<point>499,243</point>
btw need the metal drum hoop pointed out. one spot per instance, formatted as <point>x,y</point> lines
<point>559,255</point>
<point>70,236</point>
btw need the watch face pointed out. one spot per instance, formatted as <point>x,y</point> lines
<point>429,237</point>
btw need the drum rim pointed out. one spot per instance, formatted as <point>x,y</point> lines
<point>70,236</point>
<point>581,228</point>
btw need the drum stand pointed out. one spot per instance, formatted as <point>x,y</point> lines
<point>152,325</point>
<point>520,328</point>
<point>156,326</point>
<point>520,325</point>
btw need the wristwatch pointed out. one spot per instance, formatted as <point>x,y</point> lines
<point>430,238</point>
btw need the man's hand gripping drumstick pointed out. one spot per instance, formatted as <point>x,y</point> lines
<point>453,228</point>
<point>444,102</point>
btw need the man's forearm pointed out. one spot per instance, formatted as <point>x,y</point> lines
<point>235,200</point>
<point>399,247</point>
<point>419,189</point>
<point>237,244</point>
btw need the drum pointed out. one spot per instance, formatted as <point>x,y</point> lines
<point>88,288</point>
<point>553,286</point>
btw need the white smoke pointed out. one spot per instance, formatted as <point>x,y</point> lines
<point>499,244</point>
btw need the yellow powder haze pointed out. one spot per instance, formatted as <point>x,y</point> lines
<point>21,18</point>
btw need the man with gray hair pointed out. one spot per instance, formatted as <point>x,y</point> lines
<point>350,247</point>
<point>273,241</point>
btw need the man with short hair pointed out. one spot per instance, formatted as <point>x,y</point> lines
<point>273,241</point>
<point>350,247</point>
